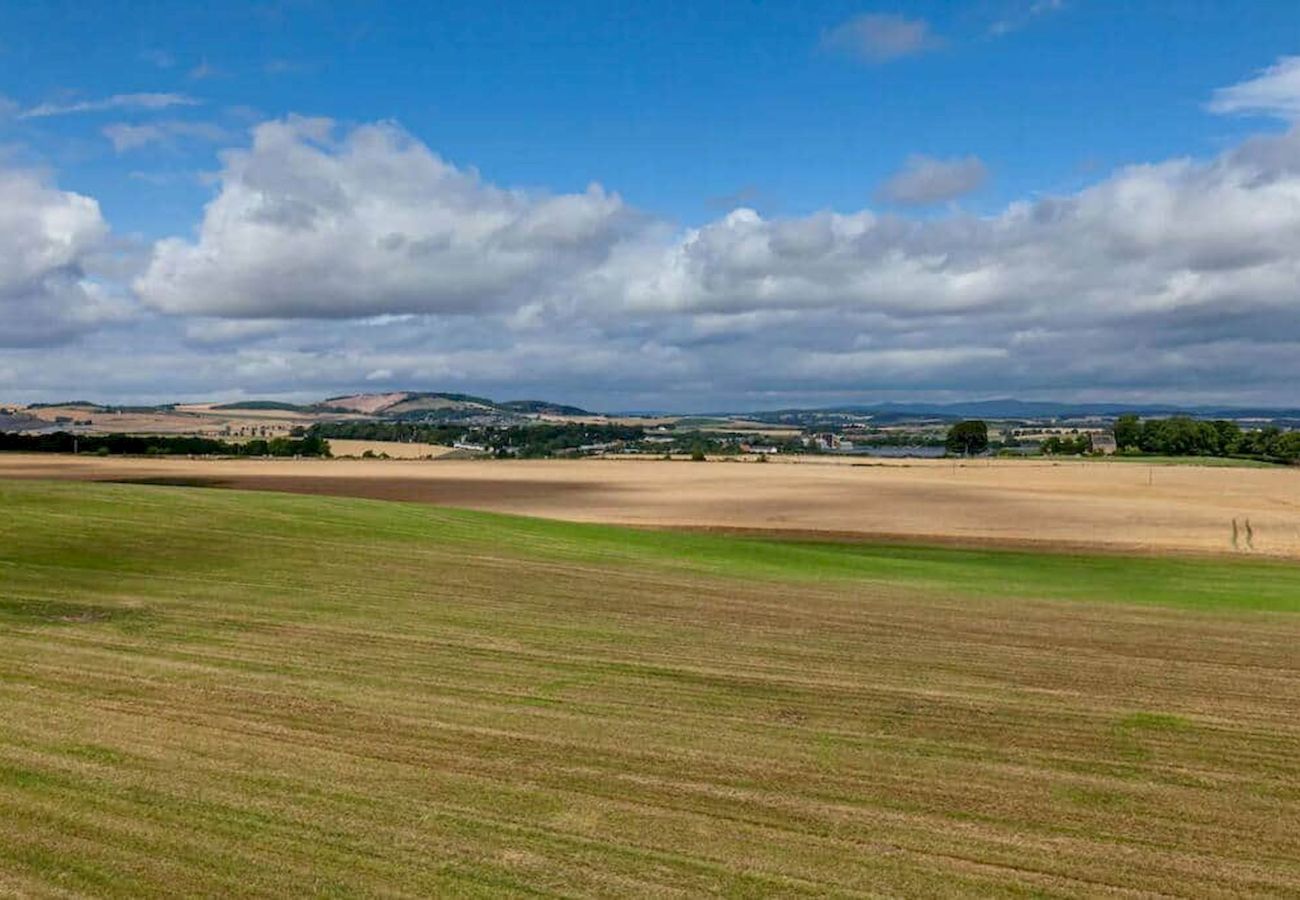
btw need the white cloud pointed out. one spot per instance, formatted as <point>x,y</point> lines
<point>924,180</point>
<point>880,38</point>
<point>1174,240</point>
<point>1167,277</point>
<point>129,137</point>
<point>125,136</point>
<point>1273,92</point>
<point>328,257</point>
<point>46,238</point>
<point>307,226</point>
<point>117,101</point>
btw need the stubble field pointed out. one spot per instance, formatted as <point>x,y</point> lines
<point>1051,505</point>
<point>234,693</point>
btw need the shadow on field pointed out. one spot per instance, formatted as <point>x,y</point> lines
<point>458,492</point>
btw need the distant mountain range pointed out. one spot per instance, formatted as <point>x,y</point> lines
<point>1009,408</point>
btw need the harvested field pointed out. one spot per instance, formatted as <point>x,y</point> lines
<point>218,692</point>
<point>1127,507</point>
<point>391,449</point>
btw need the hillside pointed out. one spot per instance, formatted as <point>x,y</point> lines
<point>444,406</point>
<point>268,418</point>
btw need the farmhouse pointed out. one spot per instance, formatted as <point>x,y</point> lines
<point>1104,442</point>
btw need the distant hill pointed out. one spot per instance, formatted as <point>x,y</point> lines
<point>444,406</point>
<point>543,408</point>
<point>1010,408</point>
<point>273,405</point>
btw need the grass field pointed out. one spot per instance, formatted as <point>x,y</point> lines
<point>222,692</point>
<point>1213,462</point>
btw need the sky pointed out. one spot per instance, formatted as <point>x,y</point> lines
<point>675,206</point>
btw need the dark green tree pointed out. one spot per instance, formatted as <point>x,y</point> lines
<point>968,438</point>
<point>1229,436</point>
<point>1128,432</point>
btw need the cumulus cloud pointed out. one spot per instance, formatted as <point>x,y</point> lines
<point>1171,276</point>
<point>1170,240</point>
<point>115,102</point>
<point>880,38</point>
<point>330,258</point>
<point>46,237</point>
<point>1273,92</point>
<point>307,225</point>
<point>924,180</point>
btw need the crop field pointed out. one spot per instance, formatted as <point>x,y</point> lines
<point>234,693</point>
<point>1031,503</point>
<point>389,449</point>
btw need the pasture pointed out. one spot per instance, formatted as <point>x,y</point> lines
<point>226,692</point>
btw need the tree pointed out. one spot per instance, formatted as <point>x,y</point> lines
<point>1229,435</point>
<point>1067,446</point>
<point>968,437</point>
<point>1287,446</point>
<point>1128,432</point>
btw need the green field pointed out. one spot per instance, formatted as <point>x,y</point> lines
<point>1214,462</point>
<point>217,692</point>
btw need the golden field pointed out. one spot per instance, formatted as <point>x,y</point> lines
<point>1081,504</point>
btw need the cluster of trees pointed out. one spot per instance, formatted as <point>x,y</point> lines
<point>1060,445</point>
<point>897,439</point>
<point>540,441</point>
<point>1185,436</point>
<point>530,441</point>
<point>403,432</point>
<point>151,445</point>
<point>968,438</point>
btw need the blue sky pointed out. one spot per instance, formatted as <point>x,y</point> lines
<point>933,116</point>
<point>677,105</point>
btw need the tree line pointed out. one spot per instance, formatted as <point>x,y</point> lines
<point>1173,436</point>
<point>1185,436</point>
<point>533,441</point>
<point>154,445</point>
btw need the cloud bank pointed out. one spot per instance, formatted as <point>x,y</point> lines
<point>333,257</point>
<point>373,223</point>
